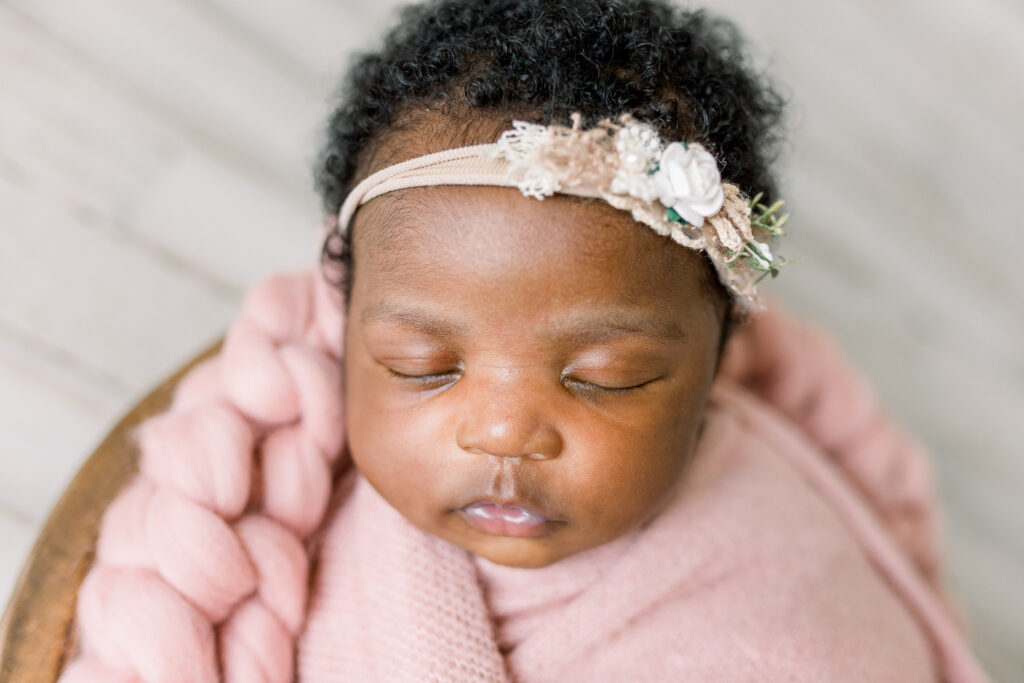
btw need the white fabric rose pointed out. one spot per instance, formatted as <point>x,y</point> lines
<point>688,181</point>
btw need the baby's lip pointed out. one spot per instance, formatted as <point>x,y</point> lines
<point>509,518</point>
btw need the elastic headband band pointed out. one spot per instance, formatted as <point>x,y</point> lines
<point>473,165</point>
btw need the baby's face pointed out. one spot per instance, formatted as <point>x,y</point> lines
<point>525,379</point>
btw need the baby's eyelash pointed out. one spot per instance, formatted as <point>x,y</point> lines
<point>595,388</point>
<point>433,378</point>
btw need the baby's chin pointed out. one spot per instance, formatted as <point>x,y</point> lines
<point>524,553</point>
<point>521,558</point>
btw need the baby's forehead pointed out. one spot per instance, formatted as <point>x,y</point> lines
<point>493,233</point>
<point>489,218</point>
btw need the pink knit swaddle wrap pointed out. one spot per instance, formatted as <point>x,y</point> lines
<point>202,565</point>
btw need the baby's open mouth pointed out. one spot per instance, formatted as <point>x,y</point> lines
<point>509,519</point>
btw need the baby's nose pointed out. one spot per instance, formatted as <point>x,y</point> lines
<point>508,421</point>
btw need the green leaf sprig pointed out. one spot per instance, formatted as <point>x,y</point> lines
<point>767,217</point>
<point>771,221</point>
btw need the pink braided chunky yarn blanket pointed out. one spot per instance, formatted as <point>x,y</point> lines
<point>800,546</point>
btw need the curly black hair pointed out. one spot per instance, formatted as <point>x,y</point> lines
<point>684,72</point>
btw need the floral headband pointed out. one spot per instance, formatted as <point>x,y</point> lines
<point>676,189</point>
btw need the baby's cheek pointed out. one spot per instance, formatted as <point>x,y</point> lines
<point>620,479</point>
<point>397,452</point>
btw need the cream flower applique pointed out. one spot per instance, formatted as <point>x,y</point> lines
<point>689,183</point>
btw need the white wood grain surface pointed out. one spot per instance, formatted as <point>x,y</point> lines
<point>155,161</point>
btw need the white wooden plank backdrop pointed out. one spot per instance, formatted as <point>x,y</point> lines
<point>155,156</point>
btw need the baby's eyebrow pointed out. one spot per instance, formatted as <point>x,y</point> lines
<point>604,326</point>
<point>584,328</point>
<point>415,318</point>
